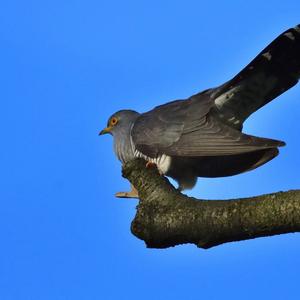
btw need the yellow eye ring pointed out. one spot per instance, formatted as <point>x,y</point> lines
<point>113,121</point>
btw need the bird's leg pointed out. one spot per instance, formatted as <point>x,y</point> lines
<point>132,194</point>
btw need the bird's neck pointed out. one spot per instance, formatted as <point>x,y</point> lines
<point>123,145</point>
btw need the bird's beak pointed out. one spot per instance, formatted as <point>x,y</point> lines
<point>105,130</point>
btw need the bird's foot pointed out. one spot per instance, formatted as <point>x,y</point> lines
<point>132,194</point>
<point>151,164</point>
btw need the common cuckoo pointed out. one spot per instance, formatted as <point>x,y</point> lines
<point>202,136</point>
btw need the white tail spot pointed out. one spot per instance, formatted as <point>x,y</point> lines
<point>290,36</point>
<point>267,55</point>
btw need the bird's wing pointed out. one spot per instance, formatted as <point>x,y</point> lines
<point>273,71</point>
<point>164,125</point>
<point>186,128</point>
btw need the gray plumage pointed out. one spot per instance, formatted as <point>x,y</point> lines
<point>122,141</point>
<point>201,136</point>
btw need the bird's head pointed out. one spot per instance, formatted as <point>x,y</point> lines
<point>119,126</point>
<point>120,122</point>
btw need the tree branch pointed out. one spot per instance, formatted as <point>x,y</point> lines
<point>165,217</point>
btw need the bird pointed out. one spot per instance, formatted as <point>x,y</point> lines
<point>202,136</point>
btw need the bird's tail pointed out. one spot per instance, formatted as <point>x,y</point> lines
<point>282,61</point>
<point>273,71</point>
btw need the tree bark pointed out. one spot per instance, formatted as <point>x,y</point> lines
<point>166,218</point>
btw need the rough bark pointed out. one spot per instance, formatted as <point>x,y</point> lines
<point>165,217</point>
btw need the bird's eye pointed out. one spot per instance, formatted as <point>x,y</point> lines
<point>113,121</point>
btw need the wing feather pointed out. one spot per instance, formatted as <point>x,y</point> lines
<point>187,128</point>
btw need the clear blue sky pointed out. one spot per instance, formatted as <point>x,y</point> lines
<point>68,65</point>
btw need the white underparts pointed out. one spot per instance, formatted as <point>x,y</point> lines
<point>163,161</point>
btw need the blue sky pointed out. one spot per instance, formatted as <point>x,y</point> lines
<point>66,66</point>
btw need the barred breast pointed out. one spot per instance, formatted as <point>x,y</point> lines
<point>163,161</point>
